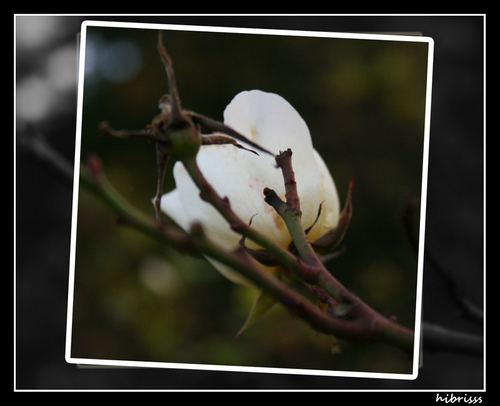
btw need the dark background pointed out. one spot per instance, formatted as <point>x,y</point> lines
<point>454,211</point>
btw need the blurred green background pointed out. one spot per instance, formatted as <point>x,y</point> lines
<point>363,102</point>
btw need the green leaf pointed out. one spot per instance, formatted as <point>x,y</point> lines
<point>263,302</point>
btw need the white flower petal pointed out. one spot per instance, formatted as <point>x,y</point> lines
<point>226,168</point>
<point>172,207</point>
<point>273,123</point>
<point>328,196</point>
<point>269,120</point>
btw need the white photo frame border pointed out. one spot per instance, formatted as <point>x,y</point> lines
<point>146,364</point>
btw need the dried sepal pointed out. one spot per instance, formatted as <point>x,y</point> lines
<point>176,116</point>
<point>217,126</point>
<point>221,139</point>
<point>329,241</point>
<point>316,220</point>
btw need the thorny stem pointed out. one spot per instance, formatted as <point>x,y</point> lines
<point>435,338</point>
<point>284,161</point>
<point>92,177</point>
<point>290,212</point>
<point>361,323</point>
<point>374,328</point>
<point>183,139</point>
<point>314,272</point>
<point>310,273</point>
<point>223,206</point>
<point>297,304</point>
<point>357,321</point>
<point>352,305</point>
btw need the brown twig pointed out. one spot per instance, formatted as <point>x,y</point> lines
<point>284,161</point>
<point>350,318</point>
<point>195,242</point>
<point>348,304</point>
<point>435,338</point>
<point>357,320</point>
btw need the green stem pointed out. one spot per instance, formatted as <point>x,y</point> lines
<point>386,330</point>
<point>363,322</point>
<point>93,179</point>
<point>292,216</point>
<point>208,194</point>
<point>197,242</point>
<point>374,329</point>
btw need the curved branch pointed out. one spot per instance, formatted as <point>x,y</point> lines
<point>196,242</point>
<point>358,321</point>
<point>435,338</point>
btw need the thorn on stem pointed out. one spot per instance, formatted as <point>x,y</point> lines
<point>262,256</point>
<point>331,240</point>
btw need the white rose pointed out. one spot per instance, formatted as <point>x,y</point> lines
<point>270,121</point>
